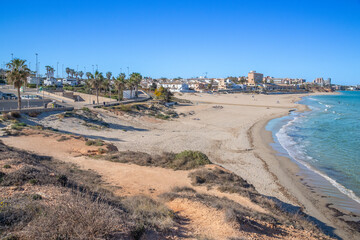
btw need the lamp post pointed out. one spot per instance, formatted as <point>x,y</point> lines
<point>37,72</point>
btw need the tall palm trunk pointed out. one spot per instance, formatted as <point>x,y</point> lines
<point>122,93</point>
<point>136,91</point>
<point>19,98</point>
<point>97,95</point>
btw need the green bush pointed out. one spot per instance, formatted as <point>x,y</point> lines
<point>36,197</point>
<point>6,166</point>
<point>189,160</point>
<point>162,116</point>
<point>31,85</point>
<point>125,108</point>
<point>94,143</point>
<point>18,126</point>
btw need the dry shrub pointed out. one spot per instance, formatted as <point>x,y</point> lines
<point>63,138</point>
<point>77,216</point>
<point>149,214</point>
<point>6,117</point>
<point>15,114</point>
<point>230,182</point>
<point>97,142</point>
<point>225,181</point>
<point>182,161</point>
<point>33,114</point>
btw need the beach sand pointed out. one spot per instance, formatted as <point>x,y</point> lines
<point>229,128</point>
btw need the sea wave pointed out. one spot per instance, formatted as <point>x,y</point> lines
<point>297,152</point>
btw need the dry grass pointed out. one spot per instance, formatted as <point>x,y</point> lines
<point>77,216</point>
<point>185,160</point>
<point>229,182</point>
<point>149,214</point>
<point>83,210</point>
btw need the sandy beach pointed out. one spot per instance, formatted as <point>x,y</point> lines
<point>228,128</point>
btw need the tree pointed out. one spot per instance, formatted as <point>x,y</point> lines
<point>153,86</point>
<point>136,79</point>
<point>108,75</point>
<point>81,74</point>
<point>96,81</point>
<point>17,74</point>
<point>130,85</point>
<point>120,84</point>
<point>163,94</point>
<point>88,75</point>
<point>72,73</point>
<point>67,70</point>
<point>49,71</point>
<point>243,80</point>
<point>106,85</point>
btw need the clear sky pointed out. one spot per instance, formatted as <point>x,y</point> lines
<point>186,38</point>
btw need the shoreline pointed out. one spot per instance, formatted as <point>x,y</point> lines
<point>285,172</point>
<point>229,129</point>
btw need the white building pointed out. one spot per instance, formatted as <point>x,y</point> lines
<point>33,80</point>
<point>52,81</point>
<point>176,87</point>
<point>70,81</point>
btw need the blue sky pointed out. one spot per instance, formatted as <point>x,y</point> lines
<point>305,39</point>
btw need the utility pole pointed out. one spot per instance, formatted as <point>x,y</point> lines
<point>97,67</point>
<point>37,72</point>
<point>57,69</point>
<point>36,65</point>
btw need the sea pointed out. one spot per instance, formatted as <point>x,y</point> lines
<point>325,143</point>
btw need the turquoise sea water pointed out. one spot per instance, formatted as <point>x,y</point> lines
<point>325,142</point>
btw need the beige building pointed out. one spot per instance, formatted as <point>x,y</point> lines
<point>255,78</point>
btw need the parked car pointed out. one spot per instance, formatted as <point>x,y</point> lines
<point>9,96</point>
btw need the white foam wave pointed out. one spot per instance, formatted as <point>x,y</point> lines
<point>298,154</point>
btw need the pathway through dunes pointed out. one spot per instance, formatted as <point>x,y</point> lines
<point>130,179</point>
<point>196,218</point>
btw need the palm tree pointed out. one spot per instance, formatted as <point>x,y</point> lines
<point>81,74</point>
<point>136,79</point>
<point>49,71</point>
<point>96,82</point>
<point>108,75</point>
<point>130,85</point>
<point>17,74</point>
<point>88,75</point>
<point>120,84</point>
<point>72,73</point>
<point>106,84</point>
<point>67,70</point>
